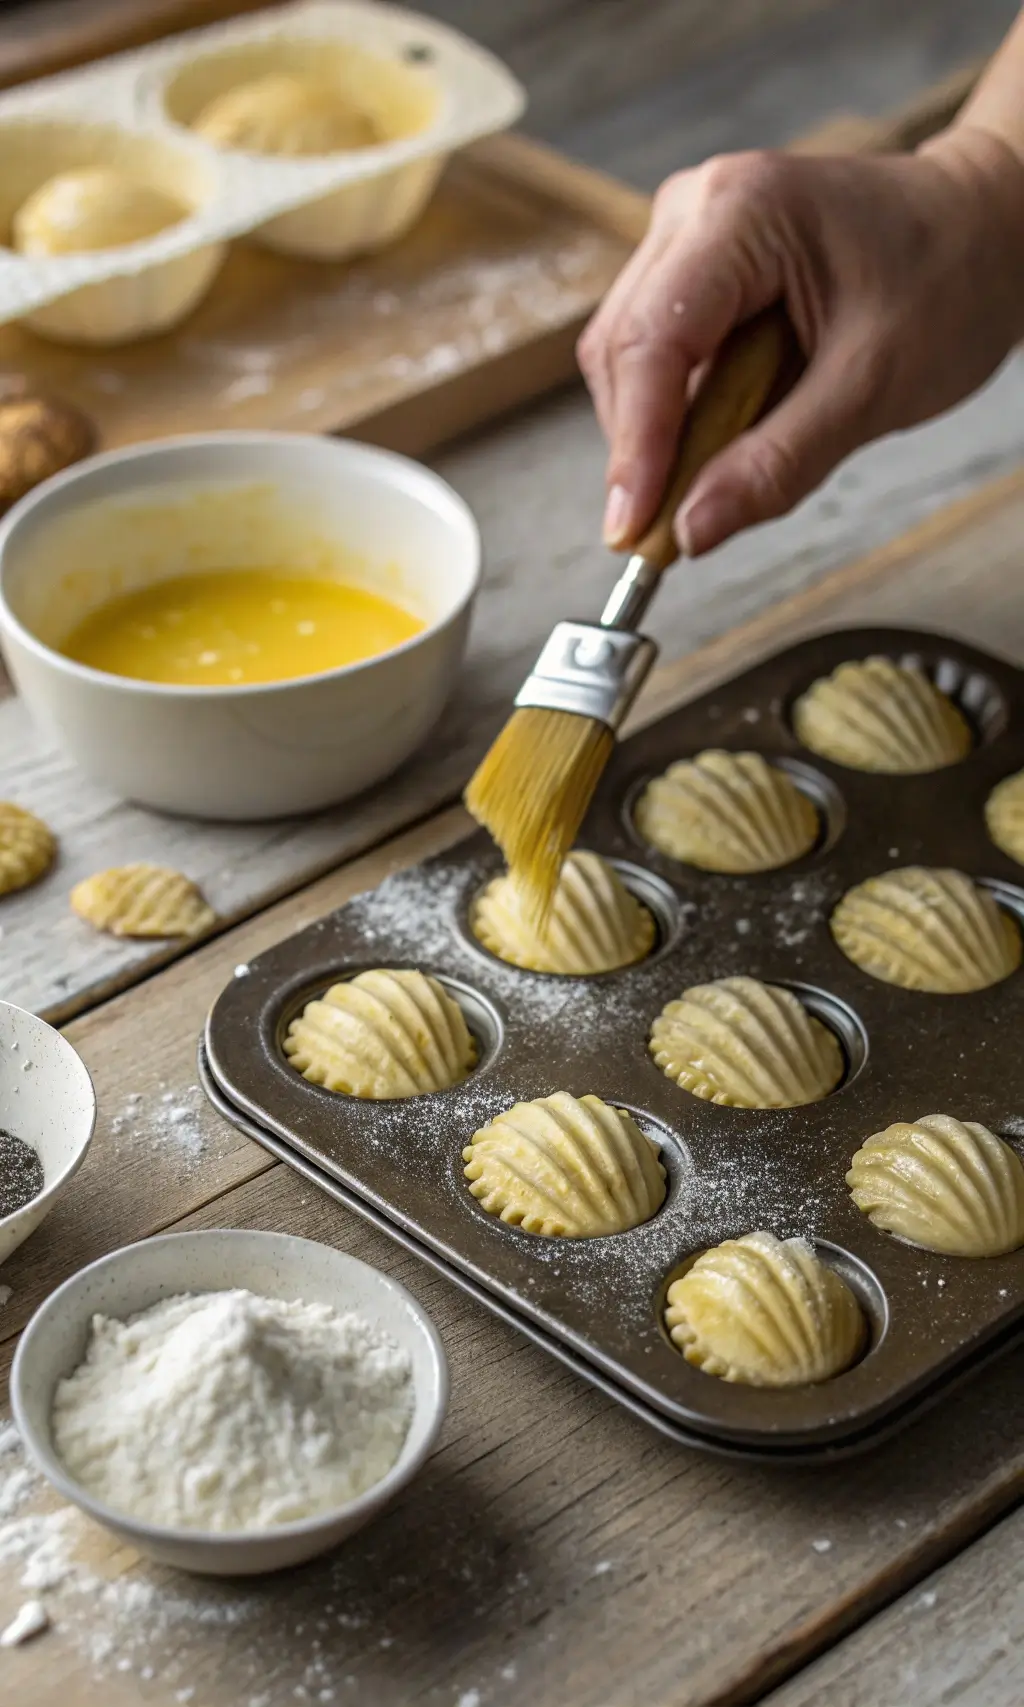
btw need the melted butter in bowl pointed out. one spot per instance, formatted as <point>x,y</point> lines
<point>239,625</point>
<point>236,627</point>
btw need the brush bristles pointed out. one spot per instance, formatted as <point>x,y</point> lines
<point>532,791</point>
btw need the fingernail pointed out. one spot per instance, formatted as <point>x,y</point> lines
<point>617,512</point>
<point>699,527</point>
<point>683,534</point>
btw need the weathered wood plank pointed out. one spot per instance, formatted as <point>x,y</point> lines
<point>958,1636</point>
<point>790,75</point>
<point>553,1551</point>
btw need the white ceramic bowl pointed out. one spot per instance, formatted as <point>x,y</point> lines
<point>273,1265</point>
<point>46,1098</point>
<point>130,517</point>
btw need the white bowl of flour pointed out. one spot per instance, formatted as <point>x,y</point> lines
<point>230,1402</point>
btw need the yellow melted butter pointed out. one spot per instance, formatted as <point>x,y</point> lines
<point>234,627</point>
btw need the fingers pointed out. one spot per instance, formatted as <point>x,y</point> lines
<point>769,470</point>
<point>696,274</point>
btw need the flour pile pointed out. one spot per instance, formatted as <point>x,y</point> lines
<point>225,1411</point>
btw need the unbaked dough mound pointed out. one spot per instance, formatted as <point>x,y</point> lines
<point>926,929</point>
<point>28,848</point>
<point>142,900</point>
<point>382,1034</point>
<point>566,1166</point>
<point>95,208</point>
<point>949,1185</point>
<point>595,924</point>
<point>727,812</point>
<point>285,115</point>
<point>879,716</point>
<point>746,1045</point>
<point>1004,816</point>
<point>765,1312</point>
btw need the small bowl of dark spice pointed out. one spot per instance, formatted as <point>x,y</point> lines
<point>47,1114</point>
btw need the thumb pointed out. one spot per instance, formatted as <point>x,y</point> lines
<point>768,471</point>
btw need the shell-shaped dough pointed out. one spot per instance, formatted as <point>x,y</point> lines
<point>284,115</point>
<point>594,924</point>
<point>95,208</point>
<point>382,1034</point>
<point>746,1045</point>
<point>766,1312</point>
<point>727,812</point>
<point>1004,816</point>
<point>927,929</point>
<point>879,716</point>
<point>566,1166</point>
<point>27,848</point>
<point>949,1185</point>
<point>142,901</point>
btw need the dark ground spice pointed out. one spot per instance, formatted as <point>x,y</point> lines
<point>21,1173</point>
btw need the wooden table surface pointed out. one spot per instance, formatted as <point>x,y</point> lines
<point>554,1550</point>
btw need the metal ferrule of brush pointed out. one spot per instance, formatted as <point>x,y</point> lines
<point>596,669</point>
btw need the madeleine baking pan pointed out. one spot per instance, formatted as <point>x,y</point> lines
<point>598,1302</point>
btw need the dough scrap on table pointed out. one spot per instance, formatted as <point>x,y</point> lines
<point>765,1312</point>
<point>927,929</point>
<point>1004,816</point>
<point>96,207</point>
<point>730,812</point>
<point>565,1166</point>
<point>382,1034</point>
<point>143,901</point>
<point>945,1184</point>
<point>594,925</point>
<point>746,1044</point>
<point>285,115</point>
<point>27,848</point>
<point>875,715</point>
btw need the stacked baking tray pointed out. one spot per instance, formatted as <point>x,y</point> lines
<point>597,1303</point>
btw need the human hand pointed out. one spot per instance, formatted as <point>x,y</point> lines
<point>903,277</point>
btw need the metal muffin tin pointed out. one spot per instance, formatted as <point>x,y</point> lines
<point>597,1303</point>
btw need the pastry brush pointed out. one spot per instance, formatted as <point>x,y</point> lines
<point>533,787</point>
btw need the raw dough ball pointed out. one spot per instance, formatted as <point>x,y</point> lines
<point>1004,816</point>
<point>594,925</point>
<point>746,1045</point>
<point>879,716</point>
<point>285,115</point>
<point>949,1185</point>
<point>27,848</point>
<point>727,812</point>
<point>38,437</point>
<point>927,930</point>
<point>566,1166</point>
<point>382,1034</point>
<point>766,1312</point>
<point>95,208</point>
<point>144,901</point>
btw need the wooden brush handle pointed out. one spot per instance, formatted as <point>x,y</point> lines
<point>754,368</point>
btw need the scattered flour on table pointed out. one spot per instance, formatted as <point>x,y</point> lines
<point>30,1620</point>
<point>167,1120</point>
<point>225,1411</point>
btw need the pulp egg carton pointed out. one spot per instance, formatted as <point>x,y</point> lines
<point>426,89</point>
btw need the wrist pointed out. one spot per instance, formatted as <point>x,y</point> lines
<point>984,177</point>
